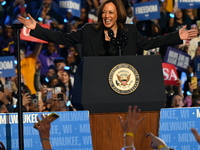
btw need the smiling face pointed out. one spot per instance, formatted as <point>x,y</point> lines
<point>109,16</point>
<point>177,102</point>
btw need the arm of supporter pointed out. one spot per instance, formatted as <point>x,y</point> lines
<point>37,49</point>
<point>43,126</point>
<point>6,102</point>
<point>196,134</point>
<point>179,82</point>
<point>37,83</point>
<point>130,126</point>
<point>157,143</point>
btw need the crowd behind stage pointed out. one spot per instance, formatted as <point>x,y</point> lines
<point>48,69</point>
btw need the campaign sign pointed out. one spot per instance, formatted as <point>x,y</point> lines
<point>72,6</point>
<point>147,10</point>
<point>185,4</point>
<point>175,125</point>
<point>24,34</point>
<point>69,132</point>
<point>178,58</point>
<point>7,66</point>
<point>197,66</point>
<point>170,74</point>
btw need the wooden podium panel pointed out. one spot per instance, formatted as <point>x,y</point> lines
<point>107,133</point>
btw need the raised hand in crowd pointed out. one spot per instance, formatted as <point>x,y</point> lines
<point>157,143</point>
<point>43,126</point>
<point>130,125</point>
<point>6,103</point>
<point>26,100</point>
<point>3,98</point>
<point>2,147</point>
<point>196,134</point>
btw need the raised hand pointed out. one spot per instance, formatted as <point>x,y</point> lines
<point>187,34</point>
<point>29,23</point>
<point>132,120</point>
<point>155,141</point>
<point>196,134</point>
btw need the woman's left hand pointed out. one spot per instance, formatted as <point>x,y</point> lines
<point>187,34</point>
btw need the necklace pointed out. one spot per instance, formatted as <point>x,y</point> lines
<point>106,35</point>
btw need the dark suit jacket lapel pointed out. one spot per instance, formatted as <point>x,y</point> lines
<point>96,42</point>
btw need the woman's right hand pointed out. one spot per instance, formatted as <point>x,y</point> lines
<point>29,23</point>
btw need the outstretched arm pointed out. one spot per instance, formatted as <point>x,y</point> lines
<point>187,34</point>
<point>29,23</point>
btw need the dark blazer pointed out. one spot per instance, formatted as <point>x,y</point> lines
<point>92,43</point>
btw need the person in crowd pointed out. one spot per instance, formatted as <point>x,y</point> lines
<point>6,105</point>
<point>194,43</point>
<point>163,21</point>
<point>49,15</point>
<point>6,40</point>
<point>65,79</point>
<point>190,16</point>
<point>28,63</point>
<point>3,108</point>
<point>177,21</point>
<point>101,39</point>
<point>177,101</point>
<point>26,99</point>
<point>43,126</point>
<point>73,59</point>
<point>47,56</point>
<point>54,81</point>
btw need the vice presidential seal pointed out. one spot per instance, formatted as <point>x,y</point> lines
<point>124,78</point>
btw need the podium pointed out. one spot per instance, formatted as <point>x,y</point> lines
<point>93,92</point>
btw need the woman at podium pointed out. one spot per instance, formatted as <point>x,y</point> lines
<point>110,36</point>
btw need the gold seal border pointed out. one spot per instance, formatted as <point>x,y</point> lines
<point>127,66</point>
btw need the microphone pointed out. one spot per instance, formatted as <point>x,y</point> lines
<point>124,38</point>
<point>111,35</point>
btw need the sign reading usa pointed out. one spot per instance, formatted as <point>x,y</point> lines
<point>185,4</point>
<point>72,6</point>
<point>7,66</point>
<point>146,11</point>
<point>71,131</point>
<point>170,74</point>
